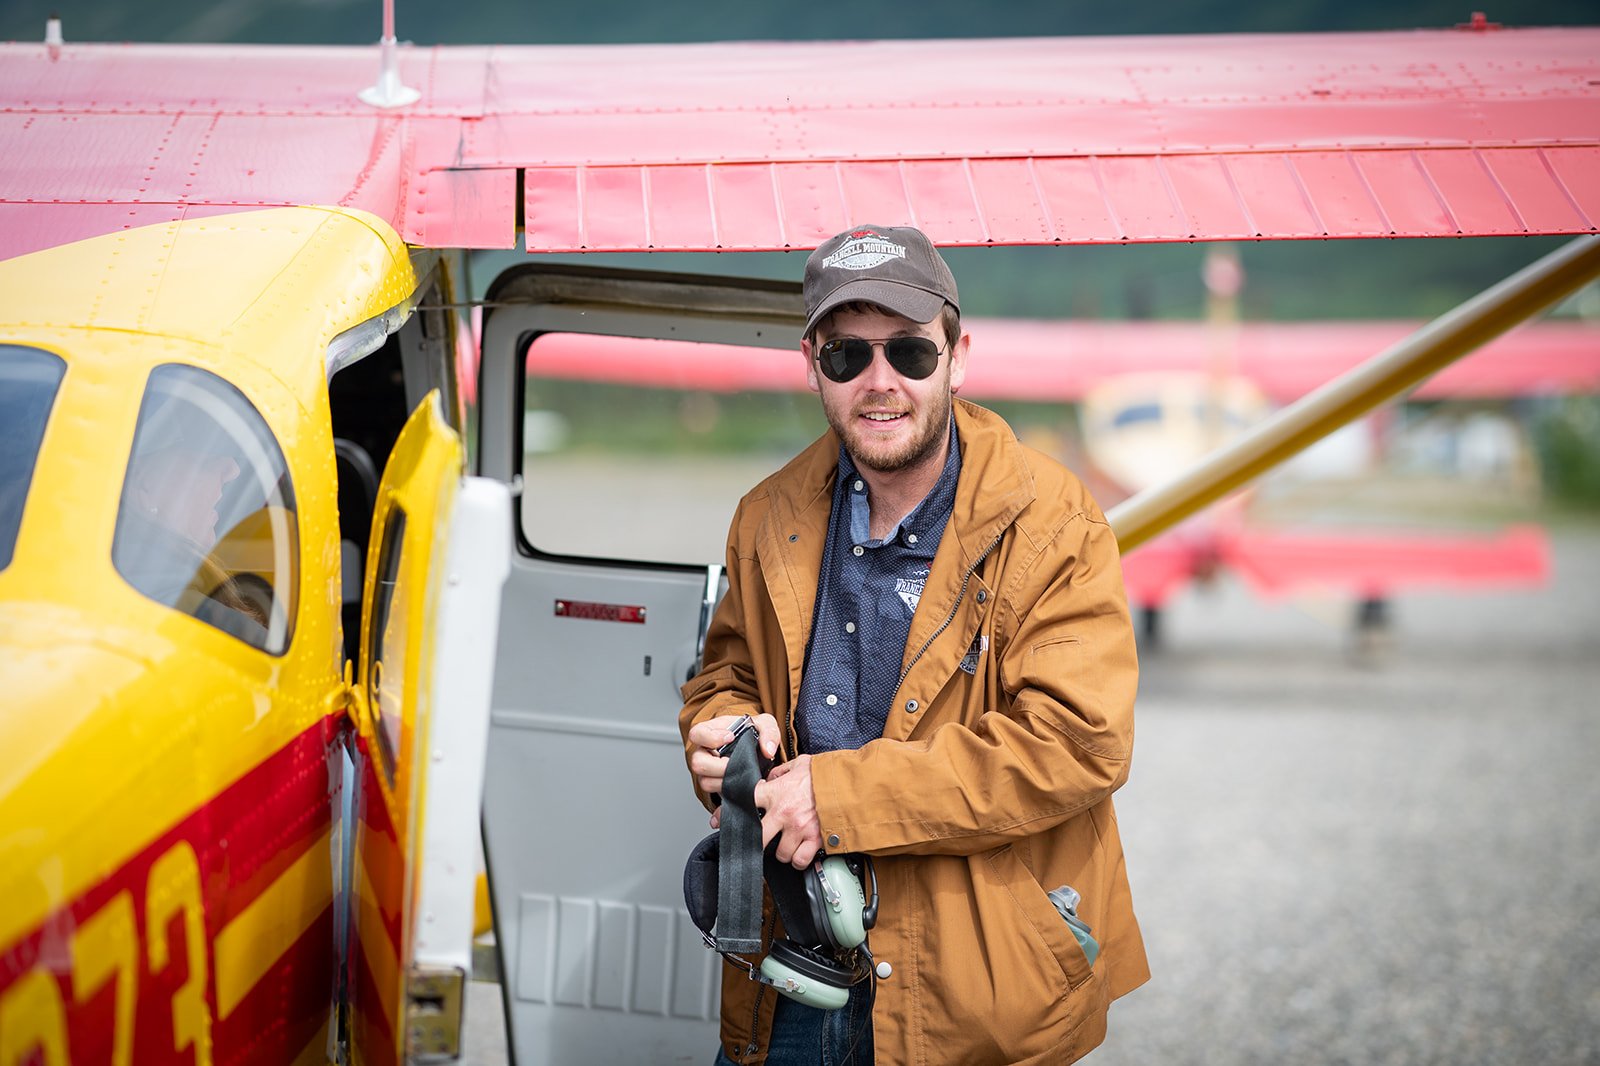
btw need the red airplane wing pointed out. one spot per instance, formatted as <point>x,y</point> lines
<point>1031,359</point>
<point>1164,565</point>
<point>1061,360</point>
<point>1361,564</point>
<point>1374,564</point>
<point>761,146</point>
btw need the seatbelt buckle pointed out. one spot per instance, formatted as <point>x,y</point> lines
<point>746,724</point>
<point>740,728</point>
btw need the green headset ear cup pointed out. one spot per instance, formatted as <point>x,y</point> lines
<point>849,930</point>
<point>829,993</point>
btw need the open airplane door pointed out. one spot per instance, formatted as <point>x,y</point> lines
<point>421,698</point>
<point>633,411</point>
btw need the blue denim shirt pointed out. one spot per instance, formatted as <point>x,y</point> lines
<point>866,595</point>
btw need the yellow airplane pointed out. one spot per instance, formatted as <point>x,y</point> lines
<point>170,617</point>
<point>299,576</point>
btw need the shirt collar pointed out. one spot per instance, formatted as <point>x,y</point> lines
<point>933,510</point>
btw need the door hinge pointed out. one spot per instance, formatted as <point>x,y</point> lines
<point>708,606</point>
<point>434,997</point>
<point>346,698</point>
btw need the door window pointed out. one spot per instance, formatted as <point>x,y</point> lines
<point>207,519</point>
<point>386,651</point>
<point>640,448</point>
<point>29,379</point>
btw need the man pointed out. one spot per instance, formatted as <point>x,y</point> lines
<point>926,621</point>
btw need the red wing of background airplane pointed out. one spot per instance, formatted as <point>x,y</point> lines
<point>1062,361</point>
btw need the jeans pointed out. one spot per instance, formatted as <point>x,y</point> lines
<point>806,1036</point>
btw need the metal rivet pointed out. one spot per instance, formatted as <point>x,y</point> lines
<point>911,706</point>
<point>833,840</point>
<point>883,970</point>
<point>982,595</point>
<point>793,537</point>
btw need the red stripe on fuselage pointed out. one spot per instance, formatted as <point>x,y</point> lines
<point>371,1031</point>
<point>271,813</point>
<point>206,868</point>
<point>280,1015</point>
<point>380,852</point>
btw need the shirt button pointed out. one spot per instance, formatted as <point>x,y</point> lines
<point>982,595</point>
<point>911,538</point>
<point>833,840</point>
<point>831,699</point>
<point>859,550</point>
<point>911,706</point>
<point>858,485</point>
<point>849,627</point>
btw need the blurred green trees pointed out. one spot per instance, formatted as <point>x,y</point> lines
<point>1567,435</point>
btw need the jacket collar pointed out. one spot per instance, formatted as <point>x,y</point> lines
<point>995,484</point>
<point>994,487</point>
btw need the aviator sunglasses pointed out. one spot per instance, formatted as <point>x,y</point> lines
<point>844,357</point>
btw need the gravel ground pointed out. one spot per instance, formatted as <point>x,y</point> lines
<point>1370,859</point>
<point>1345,855</point>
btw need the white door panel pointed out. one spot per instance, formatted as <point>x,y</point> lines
<point>589,817</point>
<point>565,670</point>
<point>589,813</point>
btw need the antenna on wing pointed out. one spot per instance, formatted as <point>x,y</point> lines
<point>52,35</point>
<point>388,91</point>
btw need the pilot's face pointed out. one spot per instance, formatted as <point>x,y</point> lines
<point>888,421</point>
<point>180,489</point>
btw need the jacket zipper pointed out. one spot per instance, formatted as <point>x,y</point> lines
<point>966,579</point>
<point>954,607</point>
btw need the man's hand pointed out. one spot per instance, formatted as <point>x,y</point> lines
<point>790,812</point>
<point>707,766</point>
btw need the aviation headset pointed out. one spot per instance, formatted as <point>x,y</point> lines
<point>826,911</point>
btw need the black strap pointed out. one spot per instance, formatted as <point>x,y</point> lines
<point>739,850</point>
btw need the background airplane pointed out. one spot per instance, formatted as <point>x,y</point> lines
<point>128,223</point>
<point>1139,402</point>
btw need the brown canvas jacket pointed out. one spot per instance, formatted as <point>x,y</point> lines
<point>988,788</point>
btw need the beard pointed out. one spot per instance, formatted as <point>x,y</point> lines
<point>930,427</point>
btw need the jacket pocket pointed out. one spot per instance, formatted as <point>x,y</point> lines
<point>1040,916</point>
<point>1011,982</point>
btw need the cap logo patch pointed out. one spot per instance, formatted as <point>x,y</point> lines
<point>864,251</point>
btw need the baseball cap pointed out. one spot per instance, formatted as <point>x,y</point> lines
<point>895,267</point>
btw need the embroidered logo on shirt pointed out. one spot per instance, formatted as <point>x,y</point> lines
<point>909,589</point>
<point>969,662</point>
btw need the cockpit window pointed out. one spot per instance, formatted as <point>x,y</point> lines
<point>1131,416</point>
<point>207,519</point>
<point>29,379</point>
